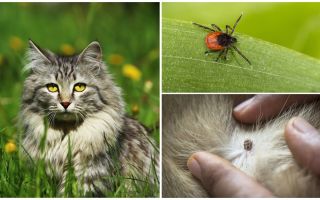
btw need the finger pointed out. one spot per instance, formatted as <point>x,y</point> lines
<point>239,98</point>
<point>304,142</point>
<point>221,179</point>
<point>266,106</point>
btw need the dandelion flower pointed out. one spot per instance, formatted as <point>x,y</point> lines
<point>115,59</point>
<point>131,72</point>
<point>67,49</point>
<point>135,109</point>
<point>10,147</point>
<point>16,43</point>
<point>148,86</point>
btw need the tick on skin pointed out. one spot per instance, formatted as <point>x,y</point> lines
<point>247,145</point>
<point>219,41</point>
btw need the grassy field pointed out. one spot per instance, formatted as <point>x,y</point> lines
<point>129,36</point>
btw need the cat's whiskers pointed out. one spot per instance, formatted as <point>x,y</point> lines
<point>81,115</point>
<point>51,115</point>
<point>49,118</point>
<point>80,112</point>
<point>45,110</point>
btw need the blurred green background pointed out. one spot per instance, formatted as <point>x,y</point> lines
<point>293,25</point>
<point>129,36</point>
<point>127,32</point>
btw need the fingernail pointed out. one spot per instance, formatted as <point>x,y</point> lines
<point>302,126</point>
<point>194,167</point>
<point>243,105</point>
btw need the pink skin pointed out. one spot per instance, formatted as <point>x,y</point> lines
<point>221,179</point>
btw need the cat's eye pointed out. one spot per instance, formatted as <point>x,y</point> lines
<point>52,87</point>
<point>79,87</point>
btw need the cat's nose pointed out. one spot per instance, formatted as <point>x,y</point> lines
<point>65,104</point>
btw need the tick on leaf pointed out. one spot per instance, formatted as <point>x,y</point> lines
<point>217,40</point>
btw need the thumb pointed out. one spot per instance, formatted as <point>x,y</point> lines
<point>221,179</point>
<point>304,142</point>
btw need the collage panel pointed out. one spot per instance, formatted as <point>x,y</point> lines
<point>90,108</point>
<point>228,145</point>
<point>79,99</point>
<point>234,121</point>
<point>240,47</point>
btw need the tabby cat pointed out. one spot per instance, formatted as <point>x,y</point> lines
<point>193,123</point>
<point>72,108</point>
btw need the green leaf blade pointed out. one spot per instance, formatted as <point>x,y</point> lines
<point>274,68</point>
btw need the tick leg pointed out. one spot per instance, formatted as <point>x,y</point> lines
<point>228,28</point>
<point>239,52</point>
<point>204,27</point>
<point>208,52</point>
<point>235,24</point>
<point>217,27</point>
<point>220,54</point>
<point>225,54</point>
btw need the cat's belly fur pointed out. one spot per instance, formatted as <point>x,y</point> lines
<point>194,123</point>
<point>91,147</point>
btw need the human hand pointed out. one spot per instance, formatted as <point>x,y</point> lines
<point>221,179</point>
<point>303,139</point>
<point>304,142</point>
<point>266,106</point>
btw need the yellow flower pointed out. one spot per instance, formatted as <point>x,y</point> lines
<point>115,59</point>
<point>148,86</point>
<point>67,49</point>
<point>10,147</point>
<point>135,109</point>
<point>15,43</point>
<point>131,72</point>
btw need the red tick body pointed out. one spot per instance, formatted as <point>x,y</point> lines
<point>212,43</point>
<point>217,40</point>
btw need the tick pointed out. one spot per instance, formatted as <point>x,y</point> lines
<point>217,40</point>
<point>247,145</point>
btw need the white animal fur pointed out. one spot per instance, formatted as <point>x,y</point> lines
<point>90,139</point>
<point>194,123</point>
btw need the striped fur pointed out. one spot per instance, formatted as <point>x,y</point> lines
<point>94,126</point>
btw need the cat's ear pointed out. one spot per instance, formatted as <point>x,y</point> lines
<point>36,54</point>
<point>92,53</point>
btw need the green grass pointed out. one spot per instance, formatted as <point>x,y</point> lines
<point>128,34</point>
<point>22,177</point>
<point>274,68</point>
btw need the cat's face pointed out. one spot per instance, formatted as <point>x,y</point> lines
<point>69,95</point>
<point>67,88</point>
